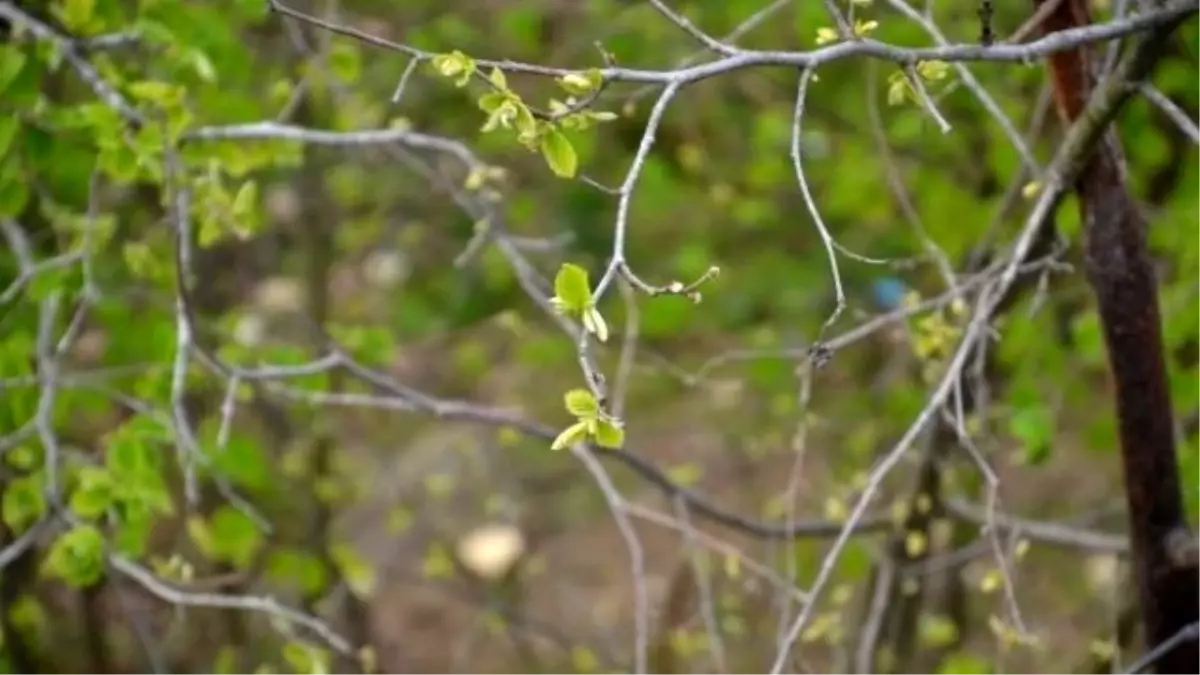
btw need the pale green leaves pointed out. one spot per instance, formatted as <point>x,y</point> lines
<point>933,71</point>
<point>573,297</point>
<point>12,60</point>
<point>1033,426</point>
<point>95,493</point>
<point>592,423</point>
<point>861,29</point>
<point>77,557</point>
<point>456,65</point>
<point>221,213</point>
<point>159,94</point>
<point>306,659</point>
<point>537,131</point>
<point>864,28</point>
<point>14,187</point>
<point>578,121</point>
<point>900,89</point>
<point>8,133</point>
<point>228,536</point>
<point>356,571</point>
<point>506,110</point>
<point>826,35</point>
<point>593,322</point>
<point>581,84</point>
<point>23,503</point>
<point>345,62</point>
<point>581,403</point>
<point>576,433</point>
<point>608,432</point>
<point>78,16</point>
<point>572,291</point>
<point>559,154</point>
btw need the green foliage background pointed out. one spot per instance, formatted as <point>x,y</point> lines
<point>718,189</point>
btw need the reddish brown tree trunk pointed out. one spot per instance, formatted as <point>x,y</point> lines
<point>1122,277</point>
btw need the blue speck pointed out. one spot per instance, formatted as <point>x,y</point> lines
<point>888,293</point>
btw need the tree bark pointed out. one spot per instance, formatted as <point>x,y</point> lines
<point>1122,278</point>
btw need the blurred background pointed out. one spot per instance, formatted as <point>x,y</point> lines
<point>433,538</point>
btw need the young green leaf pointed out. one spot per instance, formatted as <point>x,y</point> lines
<point>559,154</point>
<point>14,188</point>
<point>344,62</point>
<point>933,71</point>
<point>75,14</point>
<point>580,84</point>
<point>8,132</point>
<point>491,101</point>
<point>24,503</point>
<point>94,495</point>
<point>502,116</point>
<point>600,115</point>
<point>77,557</point>
<point>581,403</point>
<point>202,536</point>
<point>357,572</point>
<point>245,200</point>
<point>594,323</point>
<point>236,537</point>
<point>609,434</point>
<point>864,28</point>
<point>529,129</point>
<point>898,90</point>
<point>498,80</point>
<point>296,569</point>
<point>572,291</point>
<point>576,433</point>
<point>306,659</point>
<point>456,65</point>
<point>12,60</point>
<point>1034,427</point>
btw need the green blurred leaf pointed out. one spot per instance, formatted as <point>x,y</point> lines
<point>345,62</point>
<point>1034,427</point>
<point>306,659</point>
<point>8,132</point>
<point>455,65</point>
<point>14,190</point>
<point>581,84</point>
<point>962,663</point>
<point>12,60</point>
<point>202,536</point>
<point>94,494</point>
<point>75,15</point>
<point>77,557</point>
<point>572,291</point>
<point>559,154</point>
<point>593,322</point>
<point>235,538</point>
<point>297,569</point>
<point>576,433</point>
<point>609,434</point>
<point>357,572</point>
<point>496,77</point>
<point>23,503</point>
<point>581,403</point>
